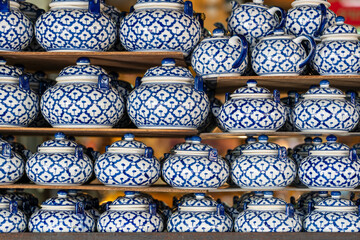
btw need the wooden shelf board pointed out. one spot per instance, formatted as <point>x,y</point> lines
<point>135,62</point>
<point>230,189</point>
<point>109,132</point>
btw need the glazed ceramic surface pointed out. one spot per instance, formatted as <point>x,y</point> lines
<point>309,17</point>
<point>289,102</point>
<point>61,214</point>
<point>167,98</point>
<point>236,152</point>
<point>252,109</point>
<point>325,109</point>
<point>339,51</point>
<point>330,165</point>
<point>79,26</point>
<point>254,20</point>
<point>200,214</point>
<point>117,16</point>
<point>11,164</point>
<point>11,218</point>
<point>195,165</point>
<point>82,98</point>
<point>220,55</point>
<point>333,214</point>
<point>281,54</point>
<point>127,163</point>
<point>161,26</point>
<point>263,165</point>
<point>268,214</point>
<point>59,162</point>
<point>131,213</point>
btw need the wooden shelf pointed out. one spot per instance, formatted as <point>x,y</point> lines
<point>109,132</point>
<point>231,189</point>
<point>135,62</point>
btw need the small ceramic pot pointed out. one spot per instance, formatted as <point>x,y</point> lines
<point>194,165</point>
<point>325,109</point>
<point>252,109</point>
<point>59,162</point>
<point>333,214</point>
<point>268,214</point>
<point>200,214</point>
<point>61,214</point>
<point>174,27</point>
<point>11,163</point>
<point>263,165</point>
<point>127,163</point>
<point>330,165</point>
<point>12,219</point>
<point>131,213</point>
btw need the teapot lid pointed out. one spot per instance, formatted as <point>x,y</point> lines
<point>262,145</point>
<point>9,72</point>
<point>61,202</point>
<point>60,141</point>
<point>268,201</point>
<point>81,71</point>
<point>127,145</point>
<point>336,203</point>
<point>256,3</point>
<point>199,203</point>
<point>218,34</point>
<point>192,144</point>
<point>323,91</point>
<point>251,91</point>
<point>304,147</point>
<point>168,71</point>
<point>311,2</point>
<point>340,31</point>
<point>140,4</point>
<point>131,201</point>
<point>330,145</point>
<point>280,34</point>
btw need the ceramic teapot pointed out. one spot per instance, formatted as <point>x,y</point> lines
<point>11,217</point>
<point>61,214</point>
<point>339,50</point>
<point>75,26</point>
<point>325,109</point>
<point>220,55</point>
<point>168,98</point>
<point>281,54</point>
<point>263,165</point>
<point>330,165</point>
<point>194,165</point>
<point>333,214</point>
<point>82,98</point>
<point>252,109</point>
<point>254,20</point>
<point>127,163</point>
<point>309,17</point>
<point>131,213</point>
<point>59,162</point>
<point>200,213</point>
<point>173,23</point>
<point>268,214</point>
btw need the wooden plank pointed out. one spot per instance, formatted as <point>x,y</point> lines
<point>232,189</point>
<point>227,135</point>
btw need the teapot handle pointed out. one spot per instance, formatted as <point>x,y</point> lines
<point>13,206</point>
<point>276,95</point>
<point>94,7</point>
<point>324,20</point>
<point>24,82</point>
<point>245,206</point>
<point>188,9</point>
<point>79,152</point>
<point>282,152</point>
<point>244,49</point>
<point>137,82</point>
<point>353,98</point>
<point>310,207</point>
<point>80,208</point>
<point>220,209</point>
<point>199,84</point>
<point>104,82</point>
<point>311,53</point>
<point>6,150</point>
<point>4,6</point>
<point>152,208</point>
<point>282,12</point>
<point>227,96</point>
<point>149,152</point>
<point>290,211</point>
<point>353,156</point>
<point>213,155</point>
<point>297,97</point>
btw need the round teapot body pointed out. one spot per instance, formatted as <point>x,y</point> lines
<point>167,106</point>
<point>251,115</point>
<point>157,29</point>
<point>12,222</point>
<point>262,171</point>
<point>81,105</point>
<point>191,171</point>
<point>12,168</point>
<point>333,172</point>
<point>59,169</point>
<point>126,169</point>
<point>67,29</point>
<point>337,57</point>
<point>61,221</point>
<point>199,222</point>
<point>325,114</point>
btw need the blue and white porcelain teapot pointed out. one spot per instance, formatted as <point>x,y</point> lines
<point>168,98</point>
<point>77,25</point>
<point>83,97</point>
<point>263,165</point>
<point>325,109</point>
<point>127,163</point>
<point>11,163</point>
<point>59,162</point>
<point>131,213</point>
<point>200,213</point>
<point>161,25</point>
<point>339,50</point>
<point>61,214</point>
<point>330,165</point>
<point>220,55</point>
<point>12,219</point>
<point>16,28</point>
<point>195,165</point>
<point>268,214</point>
<point>252,109</point>
<point>333,214</point>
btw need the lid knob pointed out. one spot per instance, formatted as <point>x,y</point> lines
<point>268,194</point>
<point>336,195</point>
<point>188,139</point>
<point>324,84</point>
<point>317,141</point>
<point>323,193</point>
<point>263,138</point>
<point>62,194</point>
<point>250,140</point>
<point>251,83</point>
<point>128,137</point>
<point>331,138</point>
<point>199,196</point>
<point>168,62</point>
<point>259,193</point>
<point>308,140</point>
<point>130,194</point>
<point>60,136</point>
<point>195,139</point>
<point>340,20</point>
<point>218,32</point>
<point>83,61</point>
<point>258,1</point>
<point>2,61</point>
